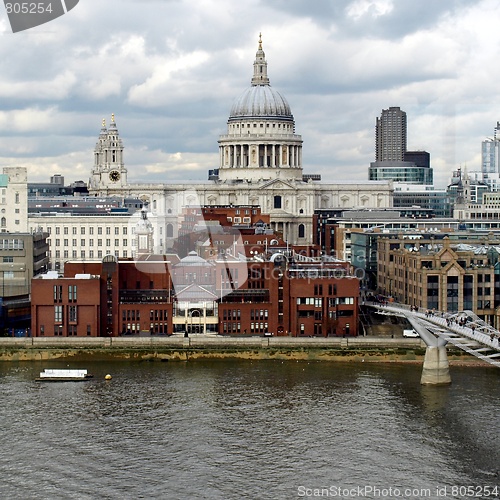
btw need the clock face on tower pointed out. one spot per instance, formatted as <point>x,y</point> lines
<point>114,176</point>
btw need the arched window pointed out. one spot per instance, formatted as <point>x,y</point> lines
<point>170,231</point>
<point>3,222</point>
<point>302,231</point>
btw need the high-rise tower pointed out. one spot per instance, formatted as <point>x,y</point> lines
<point>490,160</point>
<point>390,135</point>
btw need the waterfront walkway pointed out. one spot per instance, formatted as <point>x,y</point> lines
<point>463,329</point>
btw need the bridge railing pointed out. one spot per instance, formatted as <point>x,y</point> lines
<point>473,327</point>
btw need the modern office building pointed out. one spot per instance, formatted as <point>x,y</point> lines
<point>392,160</point>
<point>490,160</point>
<point>436,200</point>
<point>442,274</point>
<point>22,257</point>
<point>400,171</point>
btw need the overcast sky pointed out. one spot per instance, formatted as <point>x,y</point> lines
<point>170,70</point>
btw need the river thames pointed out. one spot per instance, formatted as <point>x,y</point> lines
<point>239,429</point>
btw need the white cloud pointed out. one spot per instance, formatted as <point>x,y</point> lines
<point>171,70</point>
<point>374,8</point>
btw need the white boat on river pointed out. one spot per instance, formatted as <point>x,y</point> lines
<point>63,375</point>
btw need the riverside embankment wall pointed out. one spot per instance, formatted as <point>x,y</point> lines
<point>196,347</point>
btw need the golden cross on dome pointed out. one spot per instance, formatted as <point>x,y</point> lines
<point>260,41</point>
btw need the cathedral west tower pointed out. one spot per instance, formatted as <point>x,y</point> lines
<point>109,169</point>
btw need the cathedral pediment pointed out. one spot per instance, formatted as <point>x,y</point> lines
<point>277,184</point>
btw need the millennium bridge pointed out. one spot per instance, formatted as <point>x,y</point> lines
<point>464,329</point>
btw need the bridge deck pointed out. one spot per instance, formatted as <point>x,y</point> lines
<point>485,339</point>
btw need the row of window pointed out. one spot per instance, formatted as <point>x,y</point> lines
<point>135,328</point>
<point>72,330</point>
<point>74,230</point>
<point>135,314</point>
<point>11,244</point>
<point>107,230</point>
<point>235,327</point>
<point>235,314</point>
<point>318,290</point>
<point>58,293</point>
<point>74,254</point>
<point>59,314</point>
<point>285,126</point>
<point>83,242</point>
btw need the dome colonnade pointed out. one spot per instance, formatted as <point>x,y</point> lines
<point>261,133</point>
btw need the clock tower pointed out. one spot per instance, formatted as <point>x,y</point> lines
<point>108,172</point>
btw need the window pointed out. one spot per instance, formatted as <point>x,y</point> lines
<point>302,231</point>
<point>72,313</point>
<point>73,230</point>
<point>277,201</point>
<point>58,314</point>
<point>117,230</point>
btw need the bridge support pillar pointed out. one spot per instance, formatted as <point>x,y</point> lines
<point>436,369</point>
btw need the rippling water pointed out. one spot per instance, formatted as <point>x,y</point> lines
<point>258,430</point>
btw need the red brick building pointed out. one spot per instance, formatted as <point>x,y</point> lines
<point>277,291</point>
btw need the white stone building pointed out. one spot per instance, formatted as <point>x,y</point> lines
<point>260,163</point>
<point>14,200</point>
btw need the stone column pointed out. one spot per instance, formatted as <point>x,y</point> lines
<point>436,367</point>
